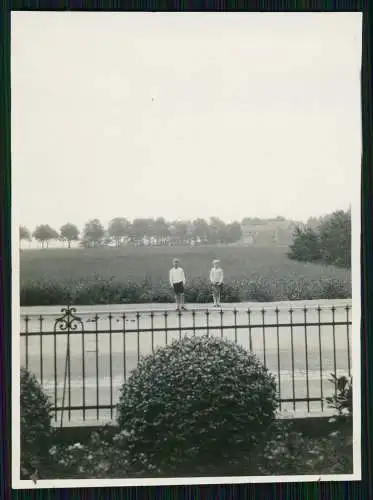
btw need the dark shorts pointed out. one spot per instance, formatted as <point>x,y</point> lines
<point>179,288</point>
<point>217,287</point>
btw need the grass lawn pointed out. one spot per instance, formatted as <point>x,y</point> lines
<point>136,264</point>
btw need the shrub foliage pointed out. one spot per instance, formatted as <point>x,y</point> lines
<point>329,242</point>
<point>305,246</point>
<point>198,401</point>
<point>36,429</point>
<point>110,291</point>
<point>341,401</point>
<point>287,451</point>
<point>187,433</point>
<point>103,456</point>
<point>283,451</point>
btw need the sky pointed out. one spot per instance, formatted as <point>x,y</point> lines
<point>184,115</point>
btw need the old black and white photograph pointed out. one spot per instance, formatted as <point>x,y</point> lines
<point>185,248</point>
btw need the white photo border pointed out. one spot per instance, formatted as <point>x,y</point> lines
<point>19,484</point>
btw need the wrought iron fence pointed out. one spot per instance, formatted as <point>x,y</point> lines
<point>82,359</point>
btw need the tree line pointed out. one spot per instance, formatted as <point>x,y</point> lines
<point>141,231</point>
<point>326,240</point>
<point>321,240</point>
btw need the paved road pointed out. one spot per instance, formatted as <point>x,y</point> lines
<point>108,356</point>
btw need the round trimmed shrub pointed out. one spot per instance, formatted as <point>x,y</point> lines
<point>198,406</point>
<point>36,429</point>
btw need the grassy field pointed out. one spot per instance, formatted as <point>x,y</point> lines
<point>138,275</point>
<point>136,264</point>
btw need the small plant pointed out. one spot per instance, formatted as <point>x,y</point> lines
<point>103,456</point>
<point>341,401</point>
<point>288,452</point>
<point>196,406</point>
<point>36,429</point>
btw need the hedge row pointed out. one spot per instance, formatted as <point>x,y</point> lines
<point>110,291</point>
<point>286,452</point>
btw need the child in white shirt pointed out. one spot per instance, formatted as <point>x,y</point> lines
<point>177,281</point>
<point>216,279</point>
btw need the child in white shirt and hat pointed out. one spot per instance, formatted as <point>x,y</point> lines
<point>216,279</point>
<point>177,282</point>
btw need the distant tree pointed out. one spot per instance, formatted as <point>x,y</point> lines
<point>108,240</point>
<point>24,234</point>
<point>327,239</point>
<point>335,239</point>
<point>44,234</point>
<point>252,221</point>
<point>151,231</point>
<point>305,246</point>
<point>189,232</point>
<point>143,229</point>
<point>181,231</point>
<point>119,228</point>
<point>161,230</point>
<point>173,234</point>
<point>69,233</point>
<point>314,223</point>
<point>217,231</point>
<point>139,230</point>
<point>233,232</point>
<point>93,233</point>
<point>200,230</point>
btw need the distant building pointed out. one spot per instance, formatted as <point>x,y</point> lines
<point>268,232</point>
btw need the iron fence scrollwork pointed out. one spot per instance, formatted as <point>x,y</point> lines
<point>68,323</point>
